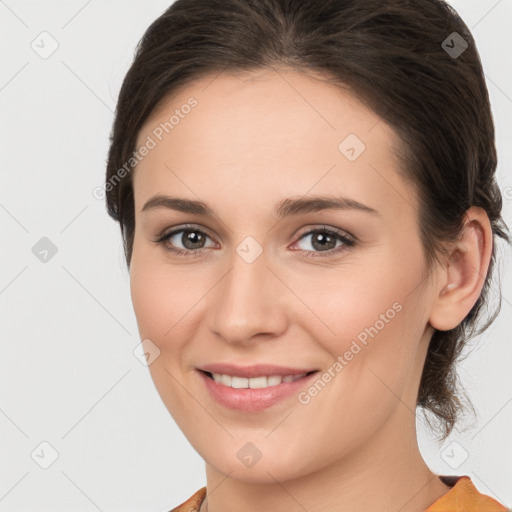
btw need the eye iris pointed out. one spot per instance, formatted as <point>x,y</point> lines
<point>323,239</point>
<point>192,239</point>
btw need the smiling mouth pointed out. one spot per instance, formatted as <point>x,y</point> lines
<point>256,394</point>
<point>254,382</point>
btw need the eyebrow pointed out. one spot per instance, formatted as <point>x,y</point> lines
<point>285,208</point>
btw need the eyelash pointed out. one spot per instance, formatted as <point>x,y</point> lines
<point>347,242</point>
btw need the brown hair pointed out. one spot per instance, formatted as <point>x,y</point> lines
<point>398,58</point>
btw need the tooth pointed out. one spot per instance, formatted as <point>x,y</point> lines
<point>239,382</point>
<point>226,380</point>
<point>274,380</point>
<point>254,382</point>
<point>258,382</point>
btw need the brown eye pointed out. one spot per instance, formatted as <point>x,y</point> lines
<point>192,239</point>
<point>186,240</point>
<point>324,241</point>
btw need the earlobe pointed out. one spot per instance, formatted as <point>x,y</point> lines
<point>462,278</point>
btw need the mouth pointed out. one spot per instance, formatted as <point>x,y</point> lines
<point>253,395</point>
<point>254,382</point>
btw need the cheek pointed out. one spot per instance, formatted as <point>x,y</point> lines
<point>372,318</point>
<point>150,303</point>
<point>168,308</point>
<point>379,299</point>
<point>156,299</point>
<point>373,353</point>
<point>361,301</point>
<point>159,308</point>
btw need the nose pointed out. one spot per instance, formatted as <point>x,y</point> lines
<point>250,301</point>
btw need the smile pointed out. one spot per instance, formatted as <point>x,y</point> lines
<point>253,394</point>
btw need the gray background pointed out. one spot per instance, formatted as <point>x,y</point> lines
<point>68,374</point>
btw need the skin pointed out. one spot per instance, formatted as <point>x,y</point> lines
<point>252,141</point>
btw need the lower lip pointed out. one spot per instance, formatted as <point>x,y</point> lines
<point>253,400</point>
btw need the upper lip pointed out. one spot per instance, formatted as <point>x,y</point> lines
<point>256,370</point>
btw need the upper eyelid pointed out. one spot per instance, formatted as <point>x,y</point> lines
<point>337,231</point>
<point>187,227</point>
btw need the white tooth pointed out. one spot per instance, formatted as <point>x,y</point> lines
<point>226,379</point>
<point>258,382</point>
<point>254,382</point>
<point>239,382</point>
<point>274,380</point>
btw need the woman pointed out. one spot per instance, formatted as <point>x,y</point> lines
<point>307,197</point>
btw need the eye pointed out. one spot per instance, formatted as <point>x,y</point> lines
<point>189,240</point>
<point>324,240</point>
<point>192,241</point>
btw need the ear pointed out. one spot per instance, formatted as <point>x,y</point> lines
<point>461,279</point>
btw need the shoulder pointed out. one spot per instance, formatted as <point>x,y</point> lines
<point>465,497</point>
<point>193,503</point>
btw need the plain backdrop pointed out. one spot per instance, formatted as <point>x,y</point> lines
<point>73,396</point>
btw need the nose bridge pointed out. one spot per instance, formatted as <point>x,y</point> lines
<point>246,302</point>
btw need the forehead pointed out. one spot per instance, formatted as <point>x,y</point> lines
<point>279,97</point>
<point>265,129</point>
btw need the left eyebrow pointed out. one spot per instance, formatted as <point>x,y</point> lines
<point>318,203</point>
<point>285,208</point>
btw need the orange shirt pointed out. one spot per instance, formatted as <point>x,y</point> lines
<point>462,497</point>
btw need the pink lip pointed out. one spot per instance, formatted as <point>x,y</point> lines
<point>256,370</point>
<point>253,400</point>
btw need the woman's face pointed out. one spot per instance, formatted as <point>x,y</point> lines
<point>274,278</point>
